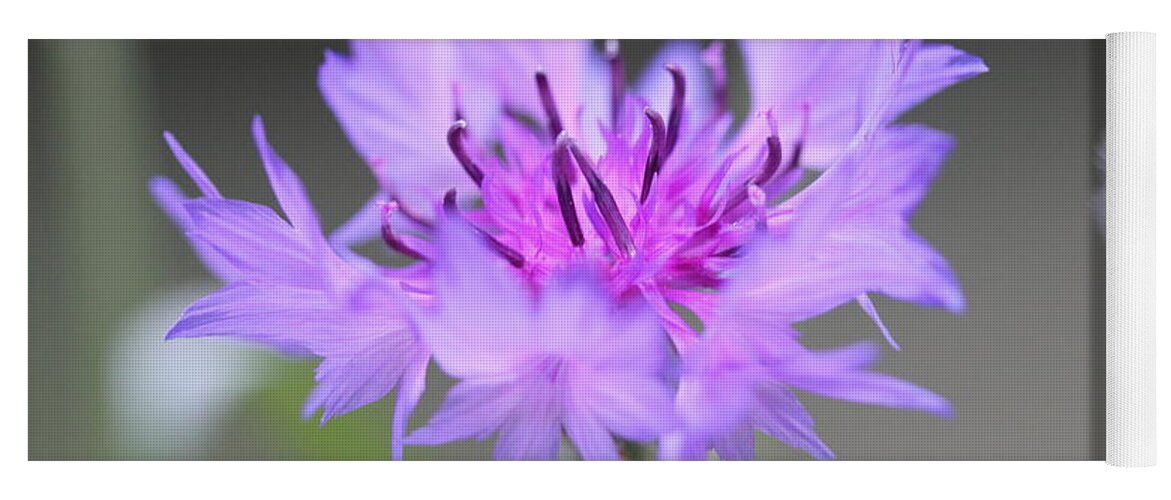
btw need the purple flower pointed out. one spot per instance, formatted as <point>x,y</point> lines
<point>582,205</point>
<point>641,181</point>
<point>843,236</point>
<point>286,288</point>
<point>531,365</point>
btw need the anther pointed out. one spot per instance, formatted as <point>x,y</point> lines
<point>456,135</point>
<point>563,179</point>
<point>449,206</point>
<point>730,252</point>
<point>676,118</point>
<point>654,156</point>
<point>549,104</point>
<point>602,196</point>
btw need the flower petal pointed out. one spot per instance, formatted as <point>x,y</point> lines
<point>273,315</point>
<point>413,383</point>
<point>289,190</point>
<point>781,416</point>
<point>171,199</point>
<point>471,410</point>
<point>197,174</point>
<point>635,407</point>
<point>578,321</point>
<point>256,243</point>
<point>590,437</point>
<point>395,100</point>
<point>849,235</point>
<point>481,325</point>
<point>839,81</point>
<point>533,432</point>
<point>840,374</point>
<point>346,382</point>
<point>737,445</point>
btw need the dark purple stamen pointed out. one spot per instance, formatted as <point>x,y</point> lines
<point>449,205</point>
<point>676,118</point>
<point>563,179</point>
<point>602,196</point>
<point>547,102</point>
<point>392,240</point>
<point>512,256</point>
<point>654,156</point>
<point>772,164</point>
<point>617,83</point>
<point>730,252</point>
<point>455,140</point>
<point>796,157</point>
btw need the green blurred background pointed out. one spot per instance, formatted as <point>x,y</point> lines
<point>108,273</point>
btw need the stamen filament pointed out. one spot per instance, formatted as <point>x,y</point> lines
<point>455,140</point>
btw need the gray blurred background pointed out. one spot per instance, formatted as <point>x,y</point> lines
<point>1012,211</point>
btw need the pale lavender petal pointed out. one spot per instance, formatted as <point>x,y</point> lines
<point>838,81</point>
<point>257,243</point>
<point>868,307</point>
<point>841,374</point>
<point>411,387</point>
<point>892,176</point>
<point>283,317</point>
<point>346,382</point>
<point>363,226</point>
<point>781,416</point>
<point>578,322</point>
<point>395,100</point>
<point>481,325</point>
<point>717,390</point>
<point>289,190</point>
<point>681,445</point>
<point>592,439</point>
<point>780,284</point>
<point>850,236</point>
<point>471,410</point>
<point>197,174</point>
<point>740,444</point>
<point>171,199</point>
<point>312,320</point>
<point>636,407</point>
<point>534,431</point>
